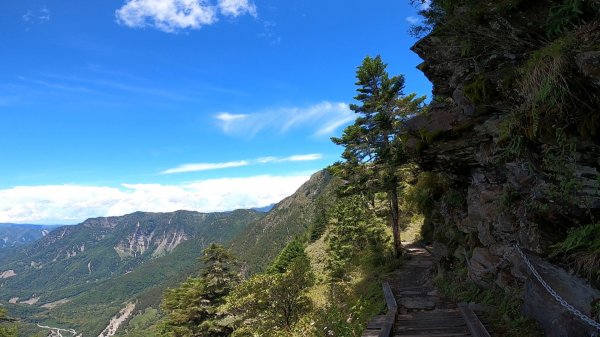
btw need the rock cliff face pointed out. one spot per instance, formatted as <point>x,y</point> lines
<point>513,132</point>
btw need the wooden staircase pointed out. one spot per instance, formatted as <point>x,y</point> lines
<point>416,310</point>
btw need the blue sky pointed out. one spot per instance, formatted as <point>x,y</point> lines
<point>113,106</point>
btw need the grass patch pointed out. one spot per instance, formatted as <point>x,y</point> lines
<point>581,248</point>
<point>503,309</point>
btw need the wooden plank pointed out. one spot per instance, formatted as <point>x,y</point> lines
<point>386,330</point>
<point>370,333</point>
<point>473,323</point>
<point>385,322</point>
<point>411,316</point>
<point>434,335</point>
<point>434,330</point>
<point>432,319</point>
<point>389,297</point>
<point>376,322</point>
<point>421,324</point>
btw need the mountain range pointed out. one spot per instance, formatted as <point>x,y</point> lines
<point>13,235</point>
<point>98,276</point>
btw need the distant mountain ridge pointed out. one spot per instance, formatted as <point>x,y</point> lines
<point>13,235</point>
<point>80,276</point>
<point>265,208</point>
<point>96,266</point>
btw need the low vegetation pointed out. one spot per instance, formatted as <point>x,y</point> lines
<point>502,311</point>
<point>581,248</point>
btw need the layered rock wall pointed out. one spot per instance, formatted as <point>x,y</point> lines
<point>521,150</point>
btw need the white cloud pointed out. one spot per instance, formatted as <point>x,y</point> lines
<point>175,15</point>
<point>324,118</point>
<point>236,8</point>
<point>304,157</point>
<point>167,15</point>
<point>425,4</point>
<point>296,157</point>
<point>413,20</point>
<point>228,120</point>
<point>265,160</point>
<point>196,167</point>
<point>204,167</point>
<point>227,117</point>
<point>74,203</point>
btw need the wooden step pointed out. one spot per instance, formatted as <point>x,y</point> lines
<point>376,322</point>
<point>435,335</point>
<point>428,324</point>
<point>445,334</point>
<point>371,333</point>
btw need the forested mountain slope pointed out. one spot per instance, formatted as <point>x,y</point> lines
<point>79,276</point>
<point>260,242</point>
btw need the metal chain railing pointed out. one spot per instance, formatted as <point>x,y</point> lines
<point>556,296</point>
<point>535,273</point>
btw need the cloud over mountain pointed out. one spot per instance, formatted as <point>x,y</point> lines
<point>74,203</point>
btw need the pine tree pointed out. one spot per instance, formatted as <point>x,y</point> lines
<point>192,309</point>
<point>355,233</point>
<point>292,251</point>
<point>372,149</point>
<point>319,225</point>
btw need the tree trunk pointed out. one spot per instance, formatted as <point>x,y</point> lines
<point>393,200</point>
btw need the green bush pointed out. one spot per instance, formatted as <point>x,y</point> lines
<point>581,248</point>
<point>504,309</point>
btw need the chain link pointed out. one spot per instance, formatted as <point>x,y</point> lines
<point>553,293</point>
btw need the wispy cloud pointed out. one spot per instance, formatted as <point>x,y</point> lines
<point>37,16</point>
<point>75,203</point>
<point>58,85</point>
<point>269,33</point>
<point>204,167</point>
<point>304,157</point>
<point>174,15</point>
<point>227,117</point>
<point>294,158</point>
<point>228,120</point>
<point>99,86</point>
<point>324,118</point>
<point>198,167</point>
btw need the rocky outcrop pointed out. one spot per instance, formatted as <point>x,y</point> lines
<point>117,320</point>
<point>55,304</point>
<point>526,164</point>
<point>144,239</point>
